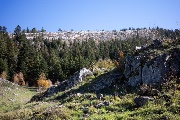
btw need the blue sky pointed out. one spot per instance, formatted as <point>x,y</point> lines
<point>89,14</point>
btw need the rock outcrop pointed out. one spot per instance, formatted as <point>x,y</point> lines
<point>69,83</point>
<point>106,81</point>
<point>153,65</point>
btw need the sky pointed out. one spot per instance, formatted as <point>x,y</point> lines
<point>89,14</point>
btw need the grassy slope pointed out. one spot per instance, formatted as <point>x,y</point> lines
<point>84,106</point>
<point>12,96</point>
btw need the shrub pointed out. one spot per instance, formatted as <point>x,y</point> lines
<point>3,75</point>
<point>19,78</point>
<point>43,82</point>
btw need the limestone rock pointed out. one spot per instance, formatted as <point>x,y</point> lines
<point>106,81</point>
<point>146,69</point>
<point>69,83</point>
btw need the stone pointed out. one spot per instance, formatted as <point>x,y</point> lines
<point>105,103</point>
<point>155,92</point>
<point>100,96</point>
<point>78,94</point>
<point>99,105</point>
<point>134,81</point>
<point>106,81</point>
<point>72,81</point>
<point>146,70</point>
<point>143,100</point>
<point>83,73</point>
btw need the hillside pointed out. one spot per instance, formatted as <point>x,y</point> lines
<point>105,94</point>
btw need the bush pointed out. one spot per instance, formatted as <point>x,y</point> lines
<point>3,75</point>
<point>43,82</point>
<point>19,78</point>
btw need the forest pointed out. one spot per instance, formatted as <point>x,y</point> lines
<point>59,59</point>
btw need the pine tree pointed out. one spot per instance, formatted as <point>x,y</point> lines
<point>17,30</point>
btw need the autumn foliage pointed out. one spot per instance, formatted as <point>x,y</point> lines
<point>3,75</point>
<point>43,82</point>
<point>116,63</point>
<point>121,55</point>
<point>120,63</point>
<point>19,78</point>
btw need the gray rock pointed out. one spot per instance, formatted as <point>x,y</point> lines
<point>155,92</point>
<point>134,81</point>
<point>99,105</point>
<point>105,103</point>
<point>72,81</point>
<point>78,94</point>
<point>104,82</point>
<point>143,100</point>
<point>100,96</point>
<point>142,70</point>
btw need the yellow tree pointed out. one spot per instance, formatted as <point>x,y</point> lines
<point>43,82</point>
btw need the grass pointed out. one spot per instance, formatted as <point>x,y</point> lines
<point>84,106</point>
<point>12,96</point>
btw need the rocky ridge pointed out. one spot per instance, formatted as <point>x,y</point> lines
<point>153,64</point>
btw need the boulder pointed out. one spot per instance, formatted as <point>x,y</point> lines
<point>142,100</point>
<point>83,73</point>
<point>105,103</point>
<point>100,96</point>
<point>155,92</point>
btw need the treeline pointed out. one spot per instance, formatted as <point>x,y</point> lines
<point>57,59</point>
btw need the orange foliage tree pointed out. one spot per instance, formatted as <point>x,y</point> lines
<point>43,82</point>
<point>121,55</point>
<point>121,61</point>
<point>19,78</point>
